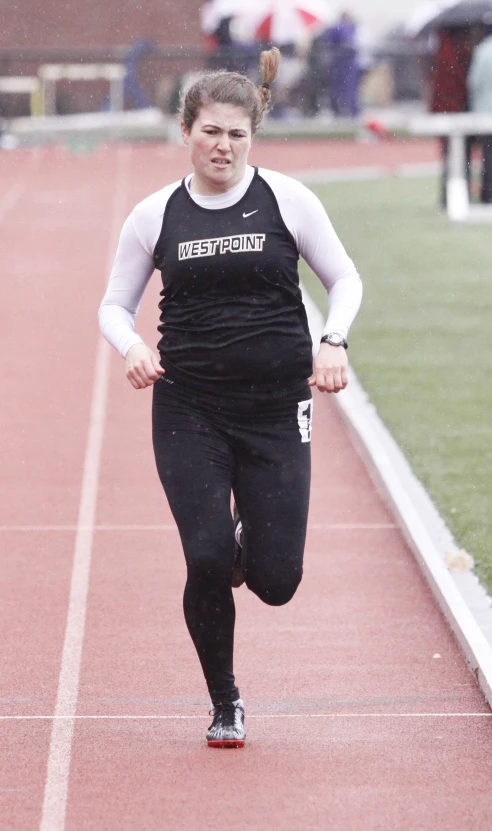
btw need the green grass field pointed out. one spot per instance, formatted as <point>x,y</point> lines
<point>422,343</point>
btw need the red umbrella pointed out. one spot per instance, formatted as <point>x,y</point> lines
<point>288,21</point>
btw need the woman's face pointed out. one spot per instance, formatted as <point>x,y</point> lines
<point>219,142</point>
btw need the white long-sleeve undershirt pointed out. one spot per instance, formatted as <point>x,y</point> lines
<point>304,216</point>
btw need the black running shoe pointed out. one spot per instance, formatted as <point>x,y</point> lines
<point>237,571</point>
<point>227,728</point>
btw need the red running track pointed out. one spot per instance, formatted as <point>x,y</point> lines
<point>361,711</point>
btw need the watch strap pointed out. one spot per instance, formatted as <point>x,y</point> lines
<point>328,339</point>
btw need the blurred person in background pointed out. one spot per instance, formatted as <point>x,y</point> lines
<point>315,93</point>
<point>448,88</point>
<point>480,100</point>
<point>217,37</point>
<point>222,38</point>
<point>345,70</point>
<point>232,400</point>
<point>134,93</point>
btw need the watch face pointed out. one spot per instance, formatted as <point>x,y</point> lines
<point>334,339</point>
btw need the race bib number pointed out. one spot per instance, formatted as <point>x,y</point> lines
<point>304,419</point>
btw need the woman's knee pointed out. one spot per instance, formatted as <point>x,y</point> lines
<point>275,592</point>
<point>208,557</point>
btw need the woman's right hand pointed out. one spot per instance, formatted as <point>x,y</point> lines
<point>142,366</point>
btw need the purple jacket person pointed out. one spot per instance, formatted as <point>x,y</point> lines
<point>344,66</point>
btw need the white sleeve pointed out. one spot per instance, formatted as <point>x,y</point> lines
<point>318,243</point>
<point>132,269</point>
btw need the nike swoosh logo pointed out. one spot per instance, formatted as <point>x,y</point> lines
<point>251,214</point>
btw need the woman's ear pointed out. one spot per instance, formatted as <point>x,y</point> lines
<point>185,133</point>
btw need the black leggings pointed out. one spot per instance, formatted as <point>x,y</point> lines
<point>206,447</point>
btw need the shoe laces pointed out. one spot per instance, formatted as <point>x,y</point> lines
<point>225,712</point>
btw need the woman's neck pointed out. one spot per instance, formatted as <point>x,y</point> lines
<point>202,187</point>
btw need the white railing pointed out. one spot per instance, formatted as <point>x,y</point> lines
<point>23,85</point>
<point>456,126</point>
<point>49,74</point>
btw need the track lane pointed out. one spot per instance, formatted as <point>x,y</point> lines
<point>296,774</point>
<point>359,585</point>
<point>344,769</point>
<point>51,297</point>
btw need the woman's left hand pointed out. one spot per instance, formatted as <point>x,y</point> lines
<point>330,369</point>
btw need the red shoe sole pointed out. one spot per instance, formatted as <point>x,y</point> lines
<point>226,743</point>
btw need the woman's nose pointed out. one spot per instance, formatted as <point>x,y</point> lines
<point>224,143</point>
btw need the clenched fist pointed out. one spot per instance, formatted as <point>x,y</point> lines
<point>142,366</point>
<point>330,369</point>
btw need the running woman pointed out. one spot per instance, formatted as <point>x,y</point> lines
<point>232,404</point>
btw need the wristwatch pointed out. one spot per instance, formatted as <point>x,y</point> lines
<point>334,339</point>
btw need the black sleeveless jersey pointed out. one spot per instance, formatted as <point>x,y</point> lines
<point>231,311</point>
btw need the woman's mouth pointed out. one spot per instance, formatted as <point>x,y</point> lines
<point>221,162</point>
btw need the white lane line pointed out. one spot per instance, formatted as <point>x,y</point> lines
<point>88,528</point>
<point>352,526</point>
<point>15,192</point>
<point>72,718</point>
<point>56,786</point>
<point>335,526</point>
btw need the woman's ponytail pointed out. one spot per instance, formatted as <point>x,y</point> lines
<point>269,65</point>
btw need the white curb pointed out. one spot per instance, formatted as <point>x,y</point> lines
<point>415,514</point>
<point>366,173</point>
